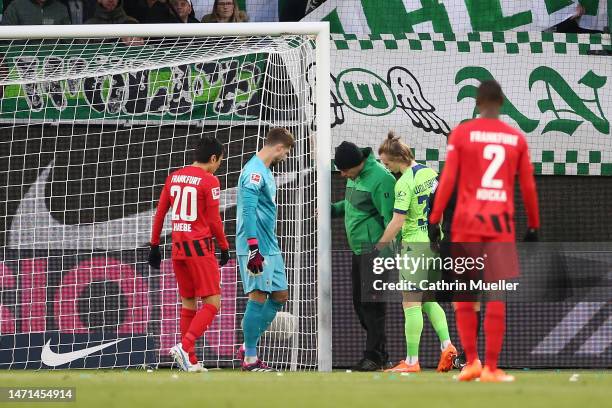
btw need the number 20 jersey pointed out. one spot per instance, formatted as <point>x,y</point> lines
<point>192,195</point>
<point>484,157</point>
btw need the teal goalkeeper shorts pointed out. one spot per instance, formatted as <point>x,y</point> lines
<point>271,280</point>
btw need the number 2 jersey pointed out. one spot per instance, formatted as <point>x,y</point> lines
<point>484,157</point>
<point>193,196</point>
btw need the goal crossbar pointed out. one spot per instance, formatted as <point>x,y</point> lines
<point>29,32</point>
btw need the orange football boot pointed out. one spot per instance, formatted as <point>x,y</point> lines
<point>498,375</point>
<point>470,371</point>
<point>446,359</point>
<point>404,367</point>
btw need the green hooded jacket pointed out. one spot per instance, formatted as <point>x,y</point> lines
<point>367,207</point>
<point>116,16</point>
<point>27,12</point>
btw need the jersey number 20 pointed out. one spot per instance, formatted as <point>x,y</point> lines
<point>185,205</point>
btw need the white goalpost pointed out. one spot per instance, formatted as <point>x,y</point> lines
<point>92,120</point>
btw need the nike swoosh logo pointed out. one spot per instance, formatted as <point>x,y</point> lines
<point>33,226</point>
<point>52,359</point>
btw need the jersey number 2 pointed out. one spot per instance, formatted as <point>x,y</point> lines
<point>497,155</point>
<point>185,205</point>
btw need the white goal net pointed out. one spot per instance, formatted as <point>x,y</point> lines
<point>90,128</point>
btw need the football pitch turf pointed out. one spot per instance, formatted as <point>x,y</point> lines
<point>225,388</point>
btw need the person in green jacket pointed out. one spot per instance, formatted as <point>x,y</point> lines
<point>110,12</point>
<point>35,12</point>
<point>367,209</point>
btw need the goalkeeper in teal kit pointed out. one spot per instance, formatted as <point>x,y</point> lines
<point>260,261</point>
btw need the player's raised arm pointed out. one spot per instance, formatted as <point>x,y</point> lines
<point>158,224</point>
<point>529,193</point>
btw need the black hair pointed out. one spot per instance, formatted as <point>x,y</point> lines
<point>490,91</point>
<point>206,148</point>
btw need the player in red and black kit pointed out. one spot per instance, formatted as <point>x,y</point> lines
<point>193,193</point>
<point>484,156</point>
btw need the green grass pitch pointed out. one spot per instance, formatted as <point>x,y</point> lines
<point>225,388</point>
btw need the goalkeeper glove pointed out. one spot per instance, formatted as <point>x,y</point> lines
<point>224,258</point>
<point>435,234</point>
<point>256,260</point>
<point>531,235</point>
<point>154,256</point>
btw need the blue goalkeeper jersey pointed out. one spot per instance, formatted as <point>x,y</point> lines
<point>256,212</point>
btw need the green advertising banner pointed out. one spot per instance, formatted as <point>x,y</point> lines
<point>558,92</point>
<point>457,16</point>
<point>223,89</point>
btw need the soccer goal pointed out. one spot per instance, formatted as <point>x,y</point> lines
<point>92,120</point>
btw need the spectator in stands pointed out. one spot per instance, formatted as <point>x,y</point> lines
<point>110,12</point>
<point>79,10</point>
<point>226,11</point>
<point>35,12</point>
<point>184,11</point>
<point>152,11</point>
<point>137,9</point>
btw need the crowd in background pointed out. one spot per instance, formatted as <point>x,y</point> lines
<point>36,12</point>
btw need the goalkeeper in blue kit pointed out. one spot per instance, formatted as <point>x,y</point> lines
<point>260,261</point>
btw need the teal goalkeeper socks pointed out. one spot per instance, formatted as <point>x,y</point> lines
<point>251,323</point>
<point>437,317</point>
<point>268,312</point>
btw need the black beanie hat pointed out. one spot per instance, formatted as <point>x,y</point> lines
<point>348,155</point>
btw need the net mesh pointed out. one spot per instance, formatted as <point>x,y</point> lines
<point>91,130</point>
